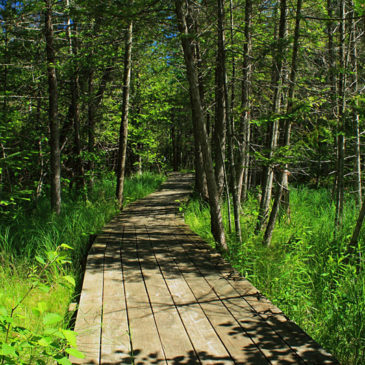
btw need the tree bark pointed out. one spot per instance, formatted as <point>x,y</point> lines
<point>200,177</point>
<point>230,139</point>
<point>192,75</point>
<point>341,119</point>
<point>53,112</point>
<point>283,183</point>
<point>355,89</point>
<point>277,85</point>
<point>123,134</point>
<point>245,129</point>
<point>351,248</point>
<point>219,135</point>
<point>78,167</point>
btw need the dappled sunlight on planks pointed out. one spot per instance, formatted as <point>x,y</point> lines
<point>155,293</point>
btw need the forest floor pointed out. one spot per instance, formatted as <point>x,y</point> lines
<point>155,292</point>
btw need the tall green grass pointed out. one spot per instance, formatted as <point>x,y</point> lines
<point>34,231</point>
<point>304,272</point>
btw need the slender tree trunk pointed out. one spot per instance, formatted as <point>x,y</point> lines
<point>78,163</point>
<point>233,79</point>
<point>351,248</point>
<point>200,177</point>
<point>42,172</point>
<point>219,135</point>
<point>7,55</point>
<point>230,139</point>
<point>283,183</point>
<point>245,130</point>
<point>123,134</point>
<point>355,87</point>
<point>277,85</point>
<point>226,185</point>
<point>75,107</point>
<point>192,75</point>
<point>341,120</point>
<point>331,72</point>
<point>91,128</point>
<point>5,91</point>
<point>53,112</point>
<point>233,183</point>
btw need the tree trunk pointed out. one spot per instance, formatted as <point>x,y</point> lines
<point>355,87</point>
<point>78,167</point>
<point>200,177</point>
<point>123,134</point>
<point>219,135</point>
<point>283,183</point>
<point>230,139</point>
<point>277,85</point>
<point>91,128</point>
<point>192,75</point>
<point>341,120</point>
<point>351,248</point>
<point>53,113</point>
<point>332,78</point>
<point>245,130</point>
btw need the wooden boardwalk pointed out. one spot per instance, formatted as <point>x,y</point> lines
<point>155,293</point>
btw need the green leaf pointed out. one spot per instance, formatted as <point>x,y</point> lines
<point>40,308</point>
<point>64,361</point>
<point>44,341</point>
<point>54,332</point>
<point>70,279</point>
<point>75,353</point>
<point>52,255</point>
<point>7,350</point>
<point>40,260</point>
<point>63,245</point>
<point>51,318</point>
<point>70,337</point>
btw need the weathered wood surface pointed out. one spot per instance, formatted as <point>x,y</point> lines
<point>155,293</point>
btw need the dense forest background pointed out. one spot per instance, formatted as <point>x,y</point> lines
<point>263,99</point>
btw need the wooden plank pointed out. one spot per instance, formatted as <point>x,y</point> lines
<point>166,316</point>
<point>146,344</point>
<point>205,340</point>
<point>247,317</point>
<point>303,345</point>
<point>115,342</point>
<point>88,321</point>
<point>234,338</point>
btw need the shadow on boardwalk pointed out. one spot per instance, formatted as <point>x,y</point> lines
<point>155,293</point>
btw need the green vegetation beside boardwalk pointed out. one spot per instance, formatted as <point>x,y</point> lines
<point>304,272</point>
<point>29,239</point>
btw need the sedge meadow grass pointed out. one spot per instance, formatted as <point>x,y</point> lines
<point>304,272</point>
<point>34,231</point>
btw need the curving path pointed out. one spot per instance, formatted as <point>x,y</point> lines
<point>155,293</point>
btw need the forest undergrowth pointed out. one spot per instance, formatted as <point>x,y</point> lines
<point>305,272</point>
<point>30,239</point>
